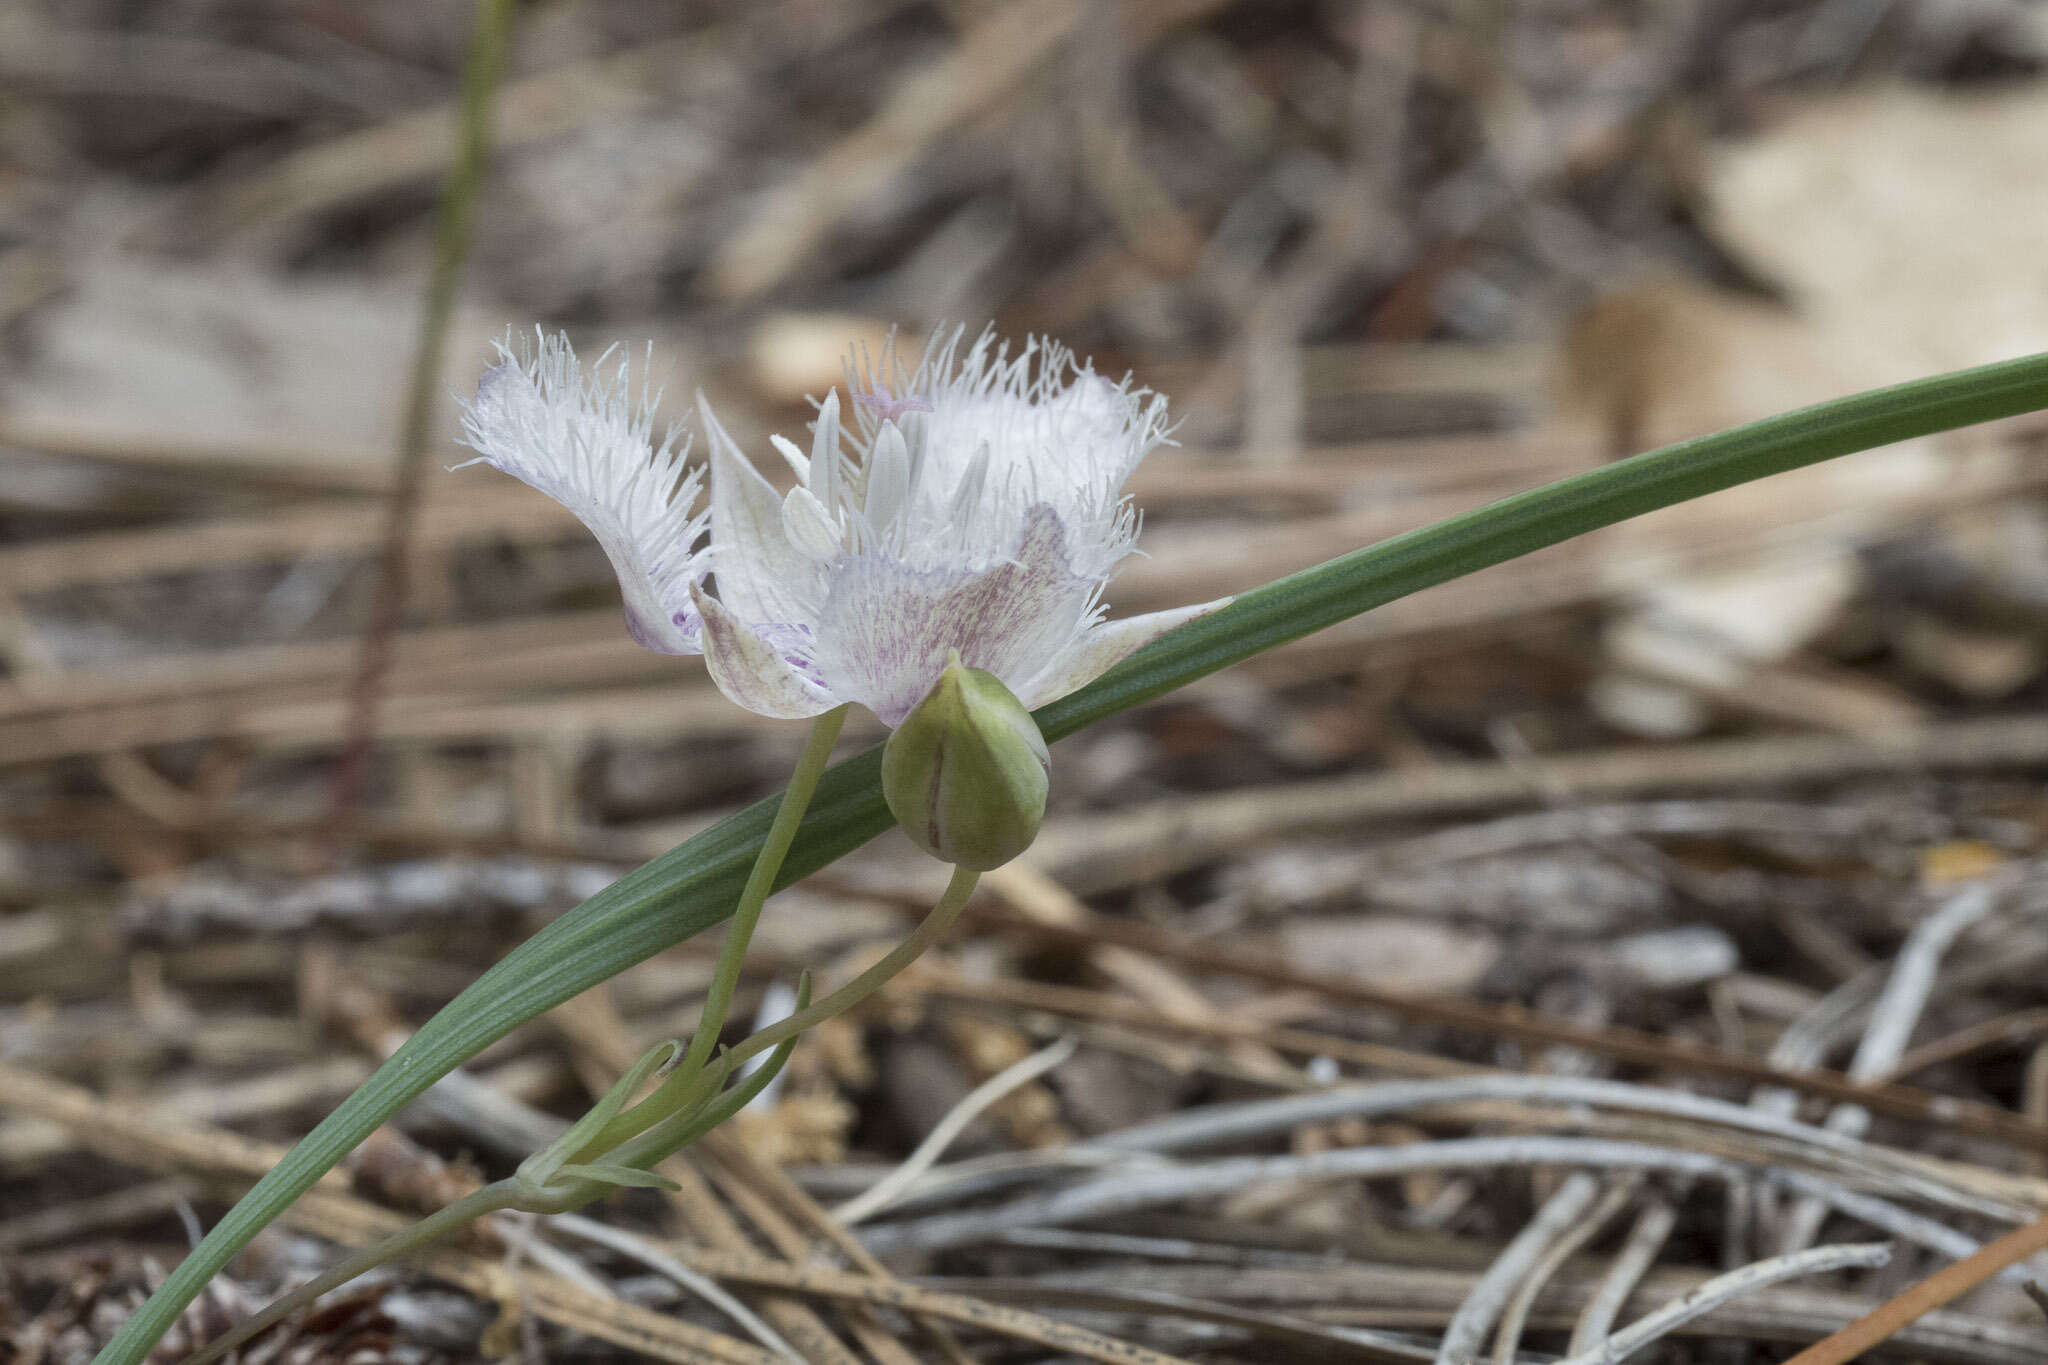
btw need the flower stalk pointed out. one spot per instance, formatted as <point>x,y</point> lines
<point>482,73</point>
<point>746,915</point>
<point>930,930</point>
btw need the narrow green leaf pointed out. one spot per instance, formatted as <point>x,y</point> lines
<point>1301,603</point>
<point>694,886</point>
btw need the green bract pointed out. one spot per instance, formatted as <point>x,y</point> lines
<point>965,773</point>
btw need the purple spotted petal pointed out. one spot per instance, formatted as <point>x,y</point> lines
<point>754,672</point>
<point>886,630</point>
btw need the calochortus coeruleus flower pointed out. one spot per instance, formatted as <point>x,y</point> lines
<point>971,508</point>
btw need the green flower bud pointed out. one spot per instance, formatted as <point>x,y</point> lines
<point>965,773</point>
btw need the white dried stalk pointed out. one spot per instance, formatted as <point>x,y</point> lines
<point>1645,1240</point>
<point>892,1186</point>
<point>1154,1186</point>
<point>1221,1124</point>
<point>1886,1217</point>
<point>1720,1289</point>
<point>661,1263</point>
<point>1893,1016</point>
<point>1898,1008</point>
<point>1466,1332</point>
<point>1509,1335</point>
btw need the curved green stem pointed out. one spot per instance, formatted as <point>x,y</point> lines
<point>929,931</point>
<point>678,1090</point>
<point>732,957</point>
<point>691,887</point>
<point>697,1113</point>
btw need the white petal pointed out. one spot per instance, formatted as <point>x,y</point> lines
<point>888,479</point>
<point>1104,645</point>
<point>810,528</point>
<point>589,445</point>
<point>887,628</point>
<point>761,577</point>
<point>825,475</point>
<point>799,463</point>
<point>1055,432</point>
<point>752,672</point>
<point>967,497</point>
<point>915,426</point>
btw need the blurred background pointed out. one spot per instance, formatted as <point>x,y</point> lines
<point>1389,259</point>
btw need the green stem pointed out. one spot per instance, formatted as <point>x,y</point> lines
<point>469,1208</point>
<point>746,915</point>
<point>452,233</point>
<point>692,887</point>
<point>697,1118</point>
<point>928,932</point>
<point>539,1169</point>
<point>695,1112</point>
<point>678,1090</point>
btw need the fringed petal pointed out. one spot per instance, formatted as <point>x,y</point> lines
<point>588,444</point>
<point>1104,645</point>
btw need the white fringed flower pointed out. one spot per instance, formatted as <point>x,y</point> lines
<point>981,512</point>
<point>588,443</point>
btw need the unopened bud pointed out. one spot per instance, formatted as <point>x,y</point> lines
<point>965,773</point>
